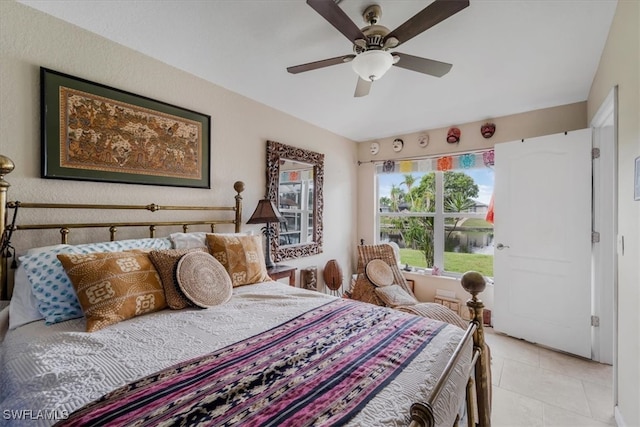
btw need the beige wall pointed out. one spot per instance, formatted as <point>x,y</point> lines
<point>240,127</point>
<point>619,65</point>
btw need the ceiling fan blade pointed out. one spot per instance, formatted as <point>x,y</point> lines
<point>362,88</point>
<point>431,15</point>
<point>330,11</point>
<point>320,64</point>
<point>422,65</point>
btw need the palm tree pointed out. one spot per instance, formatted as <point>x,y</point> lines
<point>457,202</point>
<point>396,194</point>
<point>409,180</point>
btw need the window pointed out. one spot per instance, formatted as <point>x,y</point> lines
<point>437,217</point>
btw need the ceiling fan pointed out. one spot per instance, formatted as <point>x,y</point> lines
<point>371,44</point>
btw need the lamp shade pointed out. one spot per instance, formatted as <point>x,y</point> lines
<point>265,213</point>
<point>372,64</point>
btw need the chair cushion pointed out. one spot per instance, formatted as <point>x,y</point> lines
<point>379,272</point>
<point>394,296</point>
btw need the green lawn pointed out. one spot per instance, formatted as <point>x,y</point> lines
<point>455,262</point>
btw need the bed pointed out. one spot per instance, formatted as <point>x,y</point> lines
<point>265,354</point>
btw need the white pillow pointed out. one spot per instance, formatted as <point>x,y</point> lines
<point>23,308</point>
<point>197,239</point>
<point>188,240</point>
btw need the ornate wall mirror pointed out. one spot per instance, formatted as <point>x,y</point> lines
<point>294,182</point>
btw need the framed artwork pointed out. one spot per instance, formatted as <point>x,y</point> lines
<point>636,180</point>
<point>95,132</point>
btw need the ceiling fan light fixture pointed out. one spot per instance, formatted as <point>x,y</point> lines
<point>372,64</point>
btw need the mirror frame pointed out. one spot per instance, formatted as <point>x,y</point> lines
<point>277,152</point>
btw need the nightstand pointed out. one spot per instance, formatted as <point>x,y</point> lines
<point>282,271</point>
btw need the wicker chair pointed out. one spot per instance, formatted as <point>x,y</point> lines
<point>364,290</point>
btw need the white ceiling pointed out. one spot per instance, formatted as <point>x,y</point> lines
<point>508,56</point>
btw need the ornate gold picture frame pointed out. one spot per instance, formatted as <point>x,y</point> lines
<point>95,132</point>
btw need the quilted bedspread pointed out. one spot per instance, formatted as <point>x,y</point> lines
<point>49,372</point>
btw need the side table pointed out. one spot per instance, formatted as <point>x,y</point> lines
<point>282,271</point>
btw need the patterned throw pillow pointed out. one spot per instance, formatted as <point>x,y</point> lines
<point>241,256</point>
<point>51,287</point>
<point>114,286</point>
<point>203,280</point>
<point>394,296</point>
<point>166,263</point>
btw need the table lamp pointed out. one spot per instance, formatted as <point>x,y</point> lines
<point>266,213</point>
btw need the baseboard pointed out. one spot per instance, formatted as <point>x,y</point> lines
<point>619,420</point>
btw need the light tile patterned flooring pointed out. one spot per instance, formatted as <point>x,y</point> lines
<point>534,386</point>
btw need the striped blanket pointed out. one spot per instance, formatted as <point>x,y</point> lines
<point>320,368</point>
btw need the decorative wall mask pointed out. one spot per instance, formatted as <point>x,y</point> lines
<point>487,130</point>
<point>453,136</point>
<point>423,140</point>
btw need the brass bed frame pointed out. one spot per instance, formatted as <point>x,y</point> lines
<point>422,413</point>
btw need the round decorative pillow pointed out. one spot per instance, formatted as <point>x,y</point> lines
<point>203,280</point>
<point>379,273</point>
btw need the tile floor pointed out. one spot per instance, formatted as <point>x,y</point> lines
<point>534,386</point>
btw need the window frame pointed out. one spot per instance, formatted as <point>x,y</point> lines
<point>439,216</point>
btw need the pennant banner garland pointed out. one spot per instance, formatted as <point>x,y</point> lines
<point>461,161</point>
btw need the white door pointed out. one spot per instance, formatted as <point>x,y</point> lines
<point>542,262</point>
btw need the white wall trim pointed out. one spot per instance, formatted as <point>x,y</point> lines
<point>605,291</point>
<point>618,416</point>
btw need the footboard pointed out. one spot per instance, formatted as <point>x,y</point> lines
<point>478,397</point>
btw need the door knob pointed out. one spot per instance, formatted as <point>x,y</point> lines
<point>500,246</point>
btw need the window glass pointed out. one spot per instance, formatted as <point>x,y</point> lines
<point>469,246</point>
<point>421,211</point>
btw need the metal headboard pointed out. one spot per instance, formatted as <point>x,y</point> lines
<point>7,251</point>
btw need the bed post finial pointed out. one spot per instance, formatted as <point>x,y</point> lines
<point>474,283</point>
<point>6,167</point>
<point>239,187</point>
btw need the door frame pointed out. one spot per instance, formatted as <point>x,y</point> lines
<point>605,214</point>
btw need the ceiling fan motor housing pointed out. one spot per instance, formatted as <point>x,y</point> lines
<point>375,38</point>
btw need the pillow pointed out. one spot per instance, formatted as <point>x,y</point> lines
<point>114,286</point>
<point>197,239</point>
<point>50,285</point>
<point>241,256</point>
<point>394,296</point>
<point>23,308</point>
<point>166,262</point>
<point>379,272</point>
<point>203,280</point>
<point>188,240</point>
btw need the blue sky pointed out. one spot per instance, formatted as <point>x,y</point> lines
<point>483,177</point>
